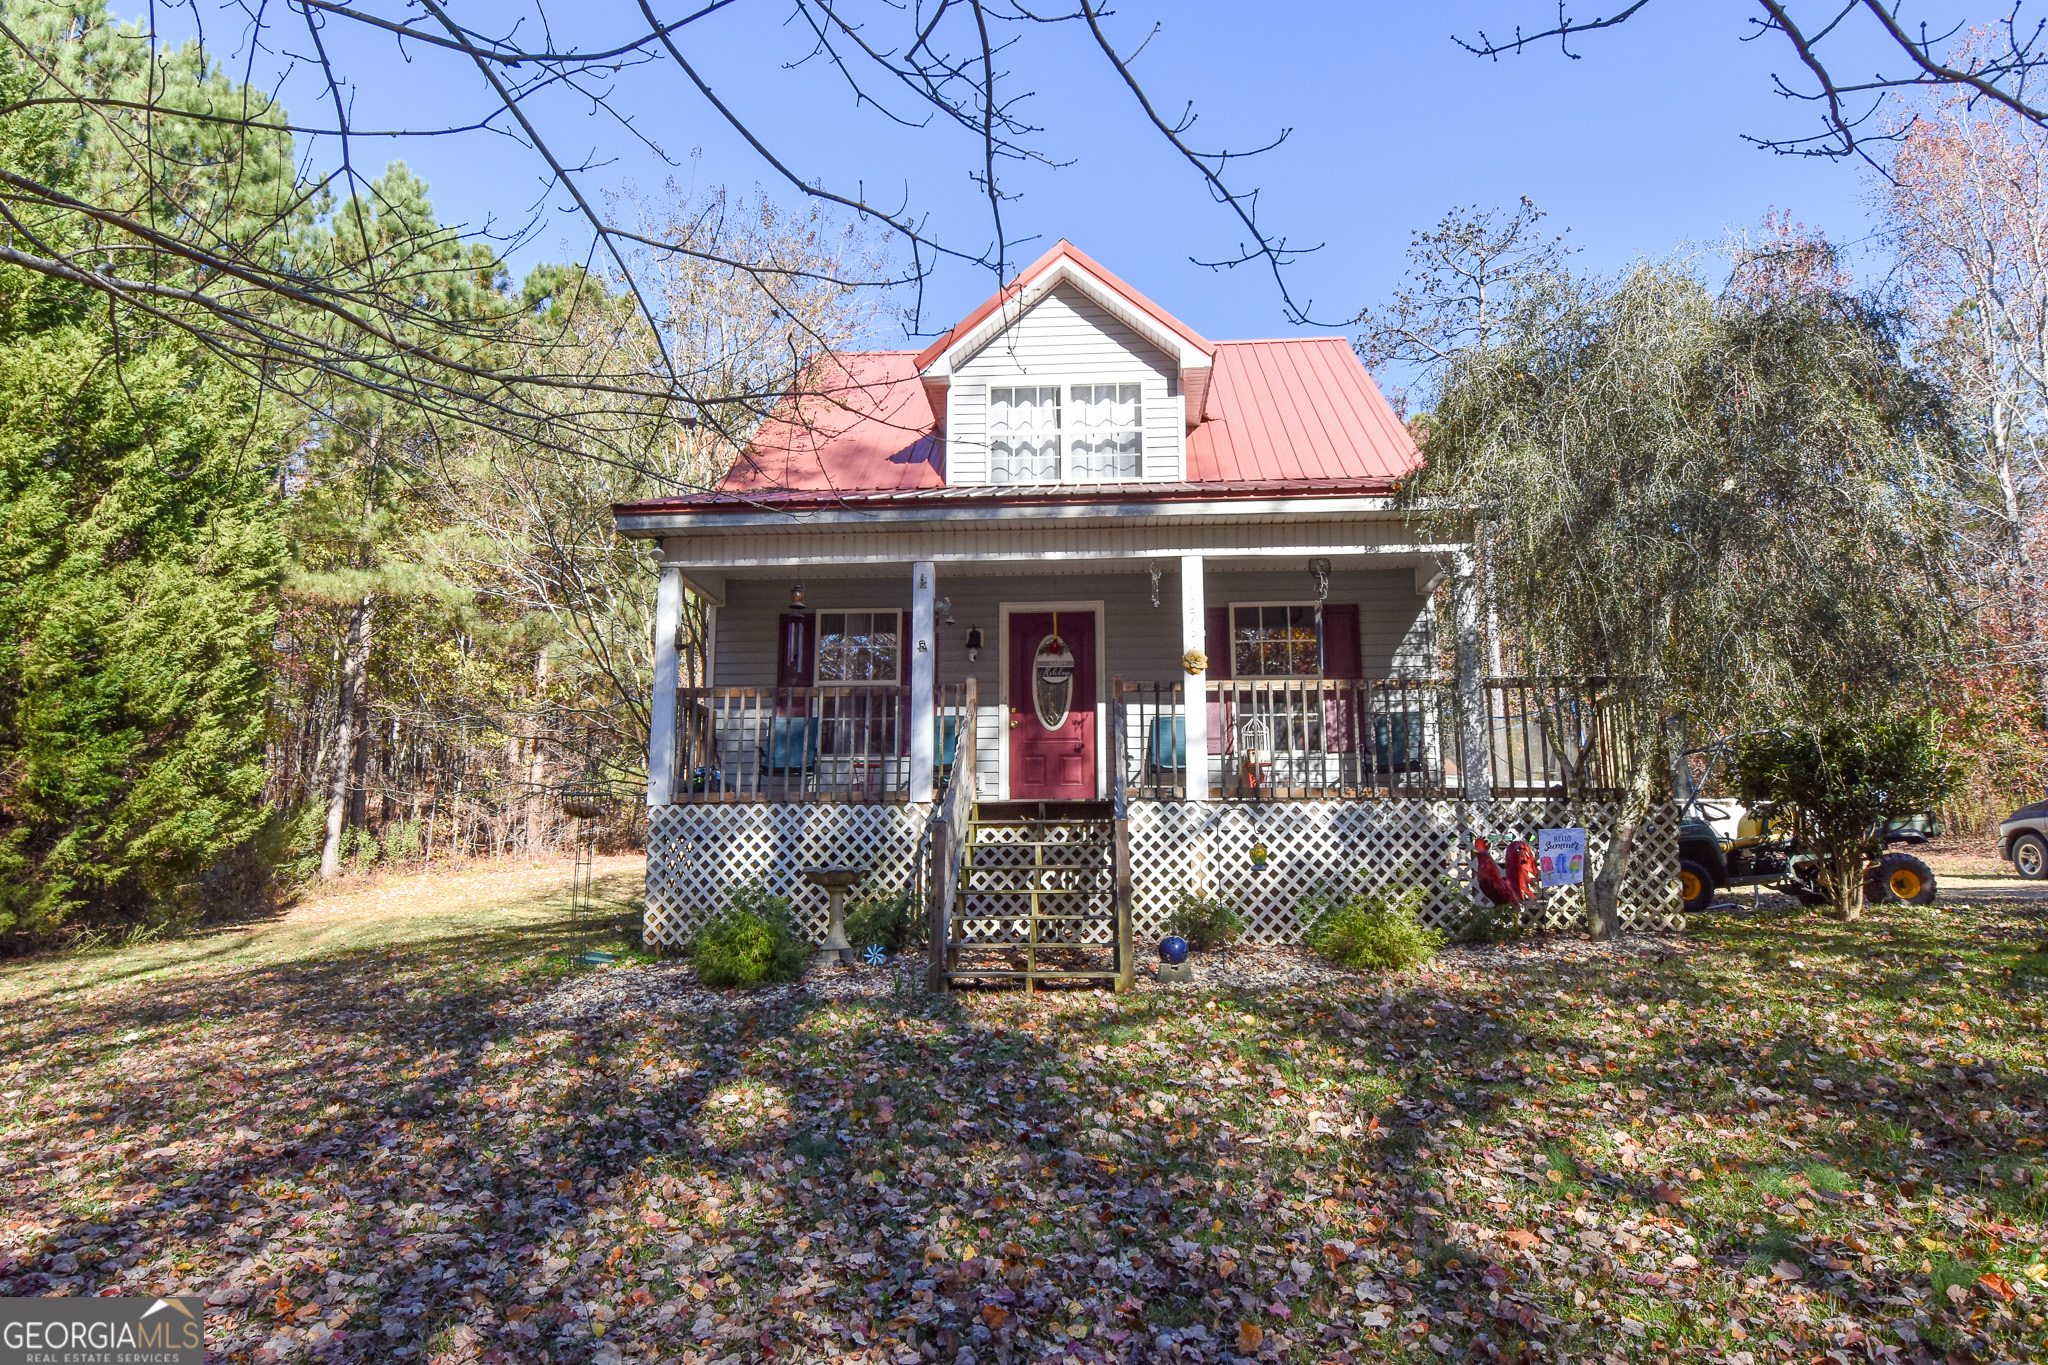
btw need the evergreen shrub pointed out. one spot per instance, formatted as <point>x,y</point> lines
<point>1377,930</point>
<point>752,944</point>
<point>1204,921</point>
<point>891,921</point>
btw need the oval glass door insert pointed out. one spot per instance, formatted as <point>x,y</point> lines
<point>1052,682</point>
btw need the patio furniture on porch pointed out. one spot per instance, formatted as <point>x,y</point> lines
<point>789,755</point>
<point>1166,757</point>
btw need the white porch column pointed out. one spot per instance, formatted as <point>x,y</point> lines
<point>924,654</point>
<point>1474,743</point>
<point>1194,636</point>
<point>661,710</point>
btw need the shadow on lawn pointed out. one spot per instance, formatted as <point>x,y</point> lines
<point>277,1134</point>
<point>405,1112</point>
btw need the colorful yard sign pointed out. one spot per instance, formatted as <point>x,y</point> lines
<point>1561,854</point>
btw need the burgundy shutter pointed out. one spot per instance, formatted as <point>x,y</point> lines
<point>794,654</point>
<point>1216,640</point>
<point>1341,663</point>
<point>1341,658</point>
<point>1216,644</point>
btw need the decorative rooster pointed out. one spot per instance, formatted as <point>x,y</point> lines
<point>1523,873</point>
<point>1493,883</point>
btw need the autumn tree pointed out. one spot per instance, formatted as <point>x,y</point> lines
<point>1736,502</point>
<point>1966,200</point>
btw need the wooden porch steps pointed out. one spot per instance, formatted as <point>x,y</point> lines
<point>1037,896</point>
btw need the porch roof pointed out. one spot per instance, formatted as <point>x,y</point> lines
<point>1014,495</point>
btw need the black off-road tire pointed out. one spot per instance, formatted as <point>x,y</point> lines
<point>1899,877</point>
<point>2030,857</point>
<point>1695,886</point>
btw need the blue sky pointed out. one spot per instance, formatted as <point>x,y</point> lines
<point>1636,147</point>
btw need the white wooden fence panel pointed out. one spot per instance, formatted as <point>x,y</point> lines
<point>697,853</point>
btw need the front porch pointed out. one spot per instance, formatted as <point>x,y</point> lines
<point>1271,704</point>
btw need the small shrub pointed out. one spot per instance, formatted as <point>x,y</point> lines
<point>1376,930</point>
<point>891,921</point>
<point>359,849</point>
<point>405,842</point>
<point>1203,921</point>
<point>751,944</point>
<point>1488,923</point>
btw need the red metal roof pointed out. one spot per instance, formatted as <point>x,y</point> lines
<point>1298,412</point>
<point>868,428</point>
<point>1295,408</point>
<point>1062,250</point>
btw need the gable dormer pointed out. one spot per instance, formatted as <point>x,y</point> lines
<point>1066,376</point>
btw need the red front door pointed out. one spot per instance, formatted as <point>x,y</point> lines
<point>1052,706</point>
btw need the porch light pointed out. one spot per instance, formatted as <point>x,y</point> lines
<point>973,641</point>
<point>796,597</point>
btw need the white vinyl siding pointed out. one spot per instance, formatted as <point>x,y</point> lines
<point>1066,339</point>
<point>966,433</point>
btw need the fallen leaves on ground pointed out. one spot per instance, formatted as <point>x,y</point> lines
<point>1780,1139</point>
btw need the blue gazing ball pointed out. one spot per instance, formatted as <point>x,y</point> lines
<point>1173,950</point>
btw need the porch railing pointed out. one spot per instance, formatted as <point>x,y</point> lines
<point>1291,739</point>
<point>844,743</point>
<point>1268,739</point>
<point>1297,739</point>
<point>1559,736</point>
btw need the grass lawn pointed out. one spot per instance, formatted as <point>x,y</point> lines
<point>365,1138</point>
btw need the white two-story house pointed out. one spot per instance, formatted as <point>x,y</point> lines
<point>1105,583</point>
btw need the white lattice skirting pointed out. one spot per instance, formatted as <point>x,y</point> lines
<point>1338,848</point>
<point>697,853</point>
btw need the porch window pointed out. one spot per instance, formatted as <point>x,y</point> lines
<point>858,646</point>
<point>1275,641</point>
<point>1107,422</point>
<point>1024,434</point>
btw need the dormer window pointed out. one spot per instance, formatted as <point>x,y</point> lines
<point>1024,434</point>
<point>1108,426</point>
<point>1076,433</point>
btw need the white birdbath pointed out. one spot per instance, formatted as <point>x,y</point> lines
<point>837,881</point>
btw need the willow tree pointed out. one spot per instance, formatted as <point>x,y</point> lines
<point>1736,501</point>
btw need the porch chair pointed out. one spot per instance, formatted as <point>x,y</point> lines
<point>1166,756</point>
<point>789,754</point>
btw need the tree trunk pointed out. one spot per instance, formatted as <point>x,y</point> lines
<point>536,761</point>
<point>1603,896</point>
<point>354,665</point>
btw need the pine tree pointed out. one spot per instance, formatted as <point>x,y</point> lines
<point>140,558</point>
